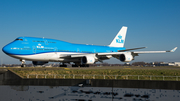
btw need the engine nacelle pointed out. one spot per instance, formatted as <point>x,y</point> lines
<point>126,57</point>
<point>39,62</point>
<point>87,60</point>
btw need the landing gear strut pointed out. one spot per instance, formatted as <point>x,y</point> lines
<point>23,63</point>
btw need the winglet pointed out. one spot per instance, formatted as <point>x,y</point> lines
<point>173,50</point>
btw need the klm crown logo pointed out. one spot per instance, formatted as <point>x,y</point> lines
<point>119,40</point>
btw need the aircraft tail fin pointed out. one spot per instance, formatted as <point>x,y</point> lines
<point>119,40</point>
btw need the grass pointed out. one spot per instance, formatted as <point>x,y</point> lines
<point>111,72</point>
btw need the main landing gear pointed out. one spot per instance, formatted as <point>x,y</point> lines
<point>74,65</point>
<point>80,65</point>
<point>23,63</point>
<point>62,65</point>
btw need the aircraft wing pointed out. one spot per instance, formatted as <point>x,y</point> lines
<point>140,52</point>
<point>131,49</point>
<point>128,55</point>
<point>75,55</point>
<point>135,53</point>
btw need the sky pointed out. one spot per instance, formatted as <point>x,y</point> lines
<point>154,24</point>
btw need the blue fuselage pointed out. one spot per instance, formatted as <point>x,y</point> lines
<point>32,46</point>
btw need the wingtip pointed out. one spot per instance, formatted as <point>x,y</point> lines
<point>173,50</point>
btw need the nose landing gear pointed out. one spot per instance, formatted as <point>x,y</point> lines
<point>23,63</point>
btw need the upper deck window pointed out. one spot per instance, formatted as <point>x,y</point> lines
<point>19,39</point>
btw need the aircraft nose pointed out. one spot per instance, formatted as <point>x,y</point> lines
<point>6,49</point>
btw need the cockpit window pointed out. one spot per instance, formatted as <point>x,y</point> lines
<point>19,39</point>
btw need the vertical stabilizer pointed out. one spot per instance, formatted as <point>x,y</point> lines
<point>119,40</point>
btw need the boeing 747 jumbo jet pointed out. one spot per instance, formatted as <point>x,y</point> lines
<point>43,50</point>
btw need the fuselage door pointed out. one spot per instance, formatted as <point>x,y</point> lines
<point>34,49</point>
<point>55,50</point>
<point>46,42</point>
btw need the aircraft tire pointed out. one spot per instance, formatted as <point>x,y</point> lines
<point>62,65</point>
<point>23,65</point>
<point>75,66</point>
<point>84,65</point>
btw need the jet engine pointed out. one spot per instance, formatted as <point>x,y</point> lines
<point>87,60</point>
<point>39,62</point>
<point>127,57</point>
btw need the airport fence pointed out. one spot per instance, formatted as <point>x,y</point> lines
<point>86,76</point>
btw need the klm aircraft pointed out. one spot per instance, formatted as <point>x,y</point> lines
<point>43,50</point>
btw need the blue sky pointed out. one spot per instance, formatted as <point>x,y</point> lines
<point>151,23</point>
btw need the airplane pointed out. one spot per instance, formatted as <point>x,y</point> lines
<point>43,50</point>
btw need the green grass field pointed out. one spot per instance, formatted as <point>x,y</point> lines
<point>99,73</point>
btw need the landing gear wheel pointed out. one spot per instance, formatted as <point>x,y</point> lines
<point>62,65</point>
<point>75,65</point>
<point>23,65</point>
<point>84,65</point>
